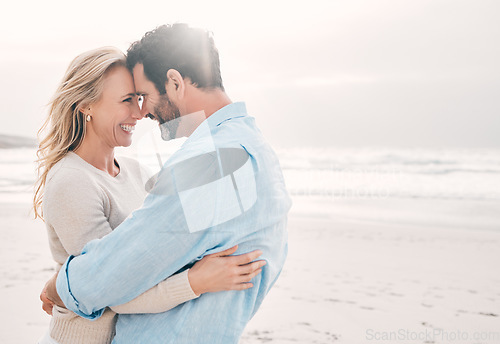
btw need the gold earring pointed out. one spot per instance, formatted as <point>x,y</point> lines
<point>88,118</point>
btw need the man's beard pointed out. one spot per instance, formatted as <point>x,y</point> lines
<point>169,117</point>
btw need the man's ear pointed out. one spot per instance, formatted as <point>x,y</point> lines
<point>175,84</point>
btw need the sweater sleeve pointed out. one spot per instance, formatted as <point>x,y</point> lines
<point>73,205</point>
<point>166,295</point>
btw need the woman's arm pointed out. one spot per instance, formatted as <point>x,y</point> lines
<point>215,272</point>
<point>164,296</point>
<point>74,212</point>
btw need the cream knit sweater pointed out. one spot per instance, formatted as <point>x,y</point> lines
<point>82,203</point>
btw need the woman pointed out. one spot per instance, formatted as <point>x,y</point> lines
<point>86,192</point>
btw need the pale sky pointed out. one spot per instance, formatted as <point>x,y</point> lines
<point>404,73</point>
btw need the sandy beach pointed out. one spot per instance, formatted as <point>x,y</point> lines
<point>407,271</point>
<point>384,117</point>
<point>356,281</point>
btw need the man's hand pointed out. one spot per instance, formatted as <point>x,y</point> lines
<point>50,297</point>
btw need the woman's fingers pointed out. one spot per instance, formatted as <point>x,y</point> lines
<point>248,272</point>
<point>251,267</point>
<point>238,259</point>
<point>227,252</point>
<point>248,277</point>
<point>248,267</point>
<point>246,258</point>
<point>224,271</point>
<point>243,281</point>
<point>47,308</point>
<point>47,304</point>
<point>243,286</point>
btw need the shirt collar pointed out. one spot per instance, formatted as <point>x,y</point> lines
<point>229,111</point>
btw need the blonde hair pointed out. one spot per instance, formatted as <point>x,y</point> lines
<point>81,86</point>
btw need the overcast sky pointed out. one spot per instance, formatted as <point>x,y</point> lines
<point>405,73</point>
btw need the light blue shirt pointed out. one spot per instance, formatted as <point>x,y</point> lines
<point>223,187</point>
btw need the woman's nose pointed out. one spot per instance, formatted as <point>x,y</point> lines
<point>137,113</point>
<point>144,111</point>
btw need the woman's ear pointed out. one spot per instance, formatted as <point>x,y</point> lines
<point>85,109</point>
<point>175,84</point>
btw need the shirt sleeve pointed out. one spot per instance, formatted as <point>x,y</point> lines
<point>180,222</point>
<point>166,295</point>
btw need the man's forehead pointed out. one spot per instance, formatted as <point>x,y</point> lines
<point>138,72</point>
<point>138,68</point>
<point>140,80</point>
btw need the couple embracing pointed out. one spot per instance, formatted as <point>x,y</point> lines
<point>157,263</point>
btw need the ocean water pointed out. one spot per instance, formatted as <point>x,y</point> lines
<point>334,173</point>
<point>378,173</point>
<point>17,174</point>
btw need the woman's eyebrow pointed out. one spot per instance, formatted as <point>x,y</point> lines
<point>130,95</point>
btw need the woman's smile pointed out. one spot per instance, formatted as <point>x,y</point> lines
<point>128,128</point>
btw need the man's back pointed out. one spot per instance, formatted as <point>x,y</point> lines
<point>188,218</point>
<point>221,317</point>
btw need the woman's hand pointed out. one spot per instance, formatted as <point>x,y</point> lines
<point>219,271</point>
<point>49,296</point>
<point>47,304</point>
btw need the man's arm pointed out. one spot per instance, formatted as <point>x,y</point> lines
<point>167,233</point>
<point>215,272</point>
<point>137,255</point>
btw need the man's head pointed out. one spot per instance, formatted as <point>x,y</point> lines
<point>168,61</point>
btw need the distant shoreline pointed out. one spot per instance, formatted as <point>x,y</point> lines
<point>11,141</point>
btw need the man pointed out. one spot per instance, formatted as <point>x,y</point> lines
<point>223,187</point>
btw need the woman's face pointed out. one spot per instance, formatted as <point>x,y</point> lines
<point>115,115</point>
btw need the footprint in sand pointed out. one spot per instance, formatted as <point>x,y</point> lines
<point>367,308</point>
<point>332,300</point>
<point>488,314</point>
<point>332,336</point>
